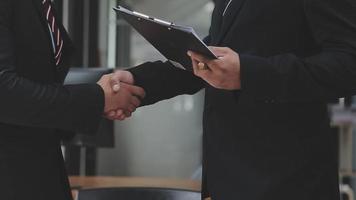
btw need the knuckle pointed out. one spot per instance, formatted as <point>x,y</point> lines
<point>117,75</point>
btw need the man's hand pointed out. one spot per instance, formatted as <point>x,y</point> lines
<point>126,98</point>
<point>121,76</point>
<point>117,78</point>
<point>221,73</point>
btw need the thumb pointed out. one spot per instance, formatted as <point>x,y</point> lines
<point>123,76</point>
<point>116,87</point>
<point>120,76</point>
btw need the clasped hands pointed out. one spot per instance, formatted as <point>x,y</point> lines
<point>122,97</point>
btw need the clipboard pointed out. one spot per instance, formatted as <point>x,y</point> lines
<point>172,41</point>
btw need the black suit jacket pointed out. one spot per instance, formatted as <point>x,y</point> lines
<point>272,139</point>
<point>34,105</point>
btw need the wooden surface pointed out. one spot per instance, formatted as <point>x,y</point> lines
<point>102,182</point>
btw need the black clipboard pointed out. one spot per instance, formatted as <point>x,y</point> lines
<point>171,40</point>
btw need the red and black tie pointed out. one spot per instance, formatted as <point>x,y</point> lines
<point>56,37</point>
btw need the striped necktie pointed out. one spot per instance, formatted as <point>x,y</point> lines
<point>56,37</point>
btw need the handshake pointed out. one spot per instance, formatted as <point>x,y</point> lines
<point>122,98</point>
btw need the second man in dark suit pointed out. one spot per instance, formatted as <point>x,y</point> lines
<point>266,126</point>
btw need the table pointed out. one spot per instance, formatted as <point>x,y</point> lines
<point>104,182</point>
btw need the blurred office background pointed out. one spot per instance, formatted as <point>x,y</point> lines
<point>163,140</point>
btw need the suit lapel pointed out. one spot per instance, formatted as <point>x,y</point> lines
<point>229,18</point>
<point>216,22</point>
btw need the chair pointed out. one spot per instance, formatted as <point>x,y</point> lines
<point>137,194</point>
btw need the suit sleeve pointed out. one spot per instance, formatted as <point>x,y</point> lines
<point>207,40</point>
<point>28,103</point>
<point>329,74</point>
<point>161,80</point>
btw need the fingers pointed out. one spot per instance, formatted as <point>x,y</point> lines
<point>203,63</point>
<point>127,114</point>
<point>124,98</point>
<point>121,117</point>
<point>124,113</point>
<point>110,115</point>
<point>204,74</point>
<point>131,108</point>
<point>118,115</point>
<point>195,66</point>
<point>103,81</point>
<point>198,57</point>
<point>132,104</point>
<point>135,101</point>
<point>219,51</point>
<point>137,91</point>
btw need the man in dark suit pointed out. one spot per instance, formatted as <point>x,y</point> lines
<point>266,125</point>
<point>34,54</point>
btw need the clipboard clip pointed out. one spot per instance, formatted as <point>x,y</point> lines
<point>152,18</point>
<point>141,15</point>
